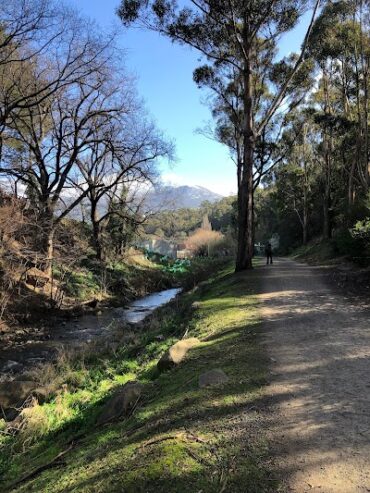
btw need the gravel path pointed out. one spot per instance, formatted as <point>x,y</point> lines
<point>319,344</point>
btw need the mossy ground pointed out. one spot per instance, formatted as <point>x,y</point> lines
<point>180,438</point>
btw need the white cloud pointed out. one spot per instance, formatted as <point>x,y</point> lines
<point>224,185</point>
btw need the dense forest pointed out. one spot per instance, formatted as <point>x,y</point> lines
<point>322,186</point>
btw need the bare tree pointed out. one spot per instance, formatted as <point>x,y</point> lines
<point>44,46</point>
<point>48,140</point>
<point>115,164</point>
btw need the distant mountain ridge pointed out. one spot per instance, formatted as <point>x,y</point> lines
<point>167,197</point>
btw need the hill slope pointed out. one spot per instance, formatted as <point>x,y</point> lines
<point>168,197</point>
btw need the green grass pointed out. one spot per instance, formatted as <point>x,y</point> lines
<point>315,252</point>
<point>343,247</point>
<point>120,280</point>
<point>181,438</point>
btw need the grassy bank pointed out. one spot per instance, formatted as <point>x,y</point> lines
<point>341,248</point>
<point>316,252</point>
<point>179,438</point>
<point>134,276</point>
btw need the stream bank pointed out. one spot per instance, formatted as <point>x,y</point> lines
<point>30,345</point>
<point>95,328</point>
<point>180,437</point>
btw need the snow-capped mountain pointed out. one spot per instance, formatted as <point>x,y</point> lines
<point>167,197</point>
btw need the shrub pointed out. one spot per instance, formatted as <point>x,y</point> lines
<point>202,241</point>
<point>346,243</point>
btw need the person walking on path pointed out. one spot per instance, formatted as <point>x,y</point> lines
<point>268,252</point>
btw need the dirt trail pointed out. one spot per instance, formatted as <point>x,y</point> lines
<point>319,344</point>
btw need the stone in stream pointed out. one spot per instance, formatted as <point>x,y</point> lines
<point>176,353</point>
<point>213,377</point>
<point>121,403</point>
<point>11,365</point>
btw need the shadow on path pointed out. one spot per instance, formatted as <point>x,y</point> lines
<point>319,345</point>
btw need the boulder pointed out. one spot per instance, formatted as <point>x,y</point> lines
<point>212,377</point>
<point>121,403</point>
<point>176,353</point>
<point>12,366</point>
<point>14,393</point>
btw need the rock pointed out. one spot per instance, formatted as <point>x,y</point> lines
<point>92,304</point>
<point>12,366</point>
<point>35,360</point>
<point>212,377</point>
<point>121,403</point>
<point>176,353</point>
<point>14,393</point>
<point>159,338</point>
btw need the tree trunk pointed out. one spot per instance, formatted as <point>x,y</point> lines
<point>245,189</point>
<point>46,235</point>
<point>328,148</point>
<point>327,228</point>
<point>350,191</point>
<point>305,217</point>
<point>96,231</point>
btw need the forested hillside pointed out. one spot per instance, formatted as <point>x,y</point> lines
<point>179,223</point>
<point>321,188</point>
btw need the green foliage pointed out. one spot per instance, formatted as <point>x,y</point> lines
<point>169,265</point>
<point>179,223</point>
<point>315,252</point>
<point>354,246</point>
<point>362,229</point>
<point>82,284</point>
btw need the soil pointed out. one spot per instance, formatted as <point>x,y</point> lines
<point>318,340</point>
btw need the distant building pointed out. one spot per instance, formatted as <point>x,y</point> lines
<point>185,253</point>
<point>206,223</point>
<point>160,246</point>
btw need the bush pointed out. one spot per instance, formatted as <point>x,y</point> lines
<point>362,230</point>
<point>202,241</point>
<point>345,243</point>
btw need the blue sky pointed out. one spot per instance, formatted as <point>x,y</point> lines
<point>164,80</point>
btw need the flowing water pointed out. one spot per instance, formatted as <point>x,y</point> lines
<point>41,344</point>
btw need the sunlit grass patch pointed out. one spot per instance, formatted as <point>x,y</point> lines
<point>180,438</point>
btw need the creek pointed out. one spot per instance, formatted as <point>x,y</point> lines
<point>38,345</point>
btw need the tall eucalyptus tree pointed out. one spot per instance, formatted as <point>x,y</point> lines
<point>232,33</point>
